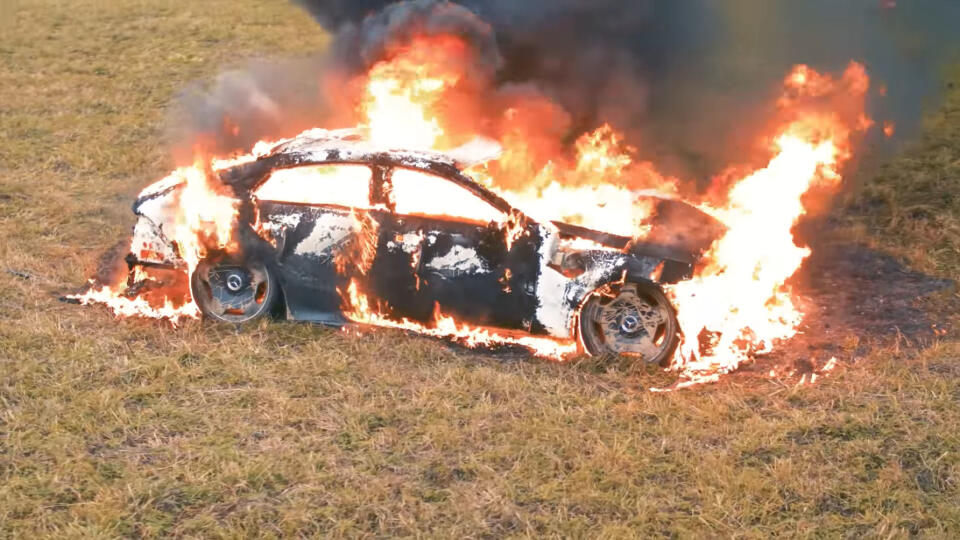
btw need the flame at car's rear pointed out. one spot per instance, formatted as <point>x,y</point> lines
<point>421,96</point>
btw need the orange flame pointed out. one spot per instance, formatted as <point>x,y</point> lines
<point>124,306</point>
<point>206,216</point>
<point>593,190</point>
<point>739,297</point>
<point>740,294</point>
<point>204,221</point>
<point>403,92</point>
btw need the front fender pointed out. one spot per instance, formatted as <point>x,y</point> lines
<point>561,296</point>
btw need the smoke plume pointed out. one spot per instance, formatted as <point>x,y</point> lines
<point>690,82</point>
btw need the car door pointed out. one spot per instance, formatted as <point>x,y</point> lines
<point>317,216</point>
<point>474,261</point>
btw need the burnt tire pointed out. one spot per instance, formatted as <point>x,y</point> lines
<point>632,319</point>
<point>235,292</point>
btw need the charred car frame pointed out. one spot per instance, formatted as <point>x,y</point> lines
<point>328,208</point>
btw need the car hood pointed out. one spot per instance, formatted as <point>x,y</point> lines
<point>678,231</point>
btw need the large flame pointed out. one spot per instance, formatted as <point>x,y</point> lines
<point>739,295</point>
<point>588,190</point>
<point>737,305</point>
<point>403,95</point>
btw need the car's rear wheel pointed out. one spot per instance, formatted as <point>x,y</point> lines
<point>632,319</point>
<point>234,292</point>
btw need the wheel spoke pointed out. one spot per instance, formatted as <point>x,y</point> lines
<point>652,317</point>
<point>232,292</point>
<point>631,323</point>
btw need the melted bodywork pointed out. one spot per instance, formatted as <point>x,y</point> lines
<point>513,273</point>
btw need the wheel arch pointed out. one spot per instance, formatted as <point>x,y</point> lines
<point>273,294</point>
<point>641,281</point>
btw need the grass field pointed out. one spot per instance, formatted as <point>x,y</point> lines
<point>132,428</point>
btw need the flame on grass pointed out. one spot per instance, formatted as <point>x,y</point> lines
<point>738,304</point>
<point>359,309</point>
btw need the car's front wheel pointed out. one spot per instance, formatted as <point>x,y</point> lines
<point>234,292</point>
<point>633,319</point>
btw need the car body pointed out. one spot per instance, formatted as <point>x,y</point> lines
<point>327,209</point>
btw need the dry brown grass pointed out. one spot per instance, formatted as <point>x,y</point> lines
<point>133,428</point>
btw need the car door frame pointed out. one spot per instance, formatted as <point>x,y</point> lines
<point>507,292</point>
<point>311,293</point>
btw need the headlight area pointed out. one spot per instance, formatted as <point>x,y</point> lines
<point>569,263</point>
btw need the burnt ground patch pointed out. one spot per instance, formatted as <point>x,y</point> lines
<point>856,299</point>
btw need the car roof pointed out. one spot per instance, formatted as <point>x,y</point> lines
<point>352,145</point>
<point>321,146</point>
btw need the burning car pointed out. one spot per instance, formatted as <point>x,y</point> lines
<point>330,226</point>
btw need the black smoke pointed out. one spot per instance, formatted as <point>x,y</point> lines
<point>690,81</point>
